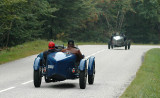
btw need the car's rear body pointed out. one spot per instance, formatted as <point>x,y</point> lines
<point>118,41</point>
<point>60,66</point>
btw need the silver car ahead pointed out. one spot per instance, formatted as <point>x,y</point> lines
<point>119,41</point>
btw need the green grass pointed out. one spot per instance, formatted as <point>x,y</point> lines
<point>24,50</point>
<point>31,48</point>
<point>147,81</point>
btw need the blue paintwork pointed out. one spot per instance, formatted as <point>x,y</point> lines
<point>40,55</point>
<point>90,65</point>
<point>82,65</point>
<point>37,61</point>
<point>61,64</point>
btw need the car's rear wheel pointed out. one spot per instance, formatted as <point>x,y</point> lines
<point>109,45</point>
<point>129,46</point>
<point>82,79</point>
<point>91,77</point>
<point>112,46</point>
<point>126,47</point>
<point>37,77</point>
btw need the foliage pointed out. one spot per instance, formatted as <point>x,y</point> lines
<point>143,25</point>
<point>22,20</point>
<point>81,20</point>
<point>70,17</point>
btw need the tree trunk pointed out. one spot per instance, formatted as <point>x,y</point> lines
<point>121,22</point>
<point>8,35</point>
<point>117,21</point>
<point>109,26</point>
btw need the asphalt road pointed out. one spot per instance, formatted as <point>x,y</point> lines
<point>115,69</point>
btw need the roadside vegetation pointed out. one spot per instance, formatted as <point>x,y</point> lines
<point>81,20</point>
<point>23,50</point>
<point>31,48</point>
<point>147,81</point>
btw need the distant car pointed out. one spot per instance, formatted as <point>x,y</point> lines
<point>61,66</point>
<point>119,41</point>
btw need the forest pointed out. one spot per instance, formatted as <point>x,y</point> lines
<point>80,20</point>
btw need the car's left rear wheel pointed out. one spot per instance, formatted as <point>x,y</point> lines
<point>37,77</point>
<point>126,47</point>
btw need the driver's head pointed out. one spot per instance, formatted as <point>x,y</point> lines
<point>70,43</point>
<point>51,45</point>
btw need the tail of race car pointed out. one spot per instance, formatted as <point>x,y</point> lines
<point>60,65</point>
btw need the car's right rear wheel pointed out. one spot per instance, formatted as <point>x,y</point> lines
<point>112,46</point>
<point>129,46</point>
<point>91,77</point>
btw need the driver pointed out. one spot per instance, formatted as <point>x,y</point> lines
<point>72,49</point>
<point>51,49</point>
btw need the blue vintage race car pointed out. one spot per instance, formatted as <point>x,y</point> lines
<point>61,66</point>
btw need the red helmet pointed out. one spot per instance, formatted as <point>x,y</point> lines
<point>51,45</point>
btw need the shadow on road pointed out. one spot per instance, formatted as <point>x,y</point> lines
<point>63,86</point>
<point>118,49</point>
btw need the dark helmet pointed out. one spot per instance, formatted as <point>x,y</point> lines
<point>51,45</point>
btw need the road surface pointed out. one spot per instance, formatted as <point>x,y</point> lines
<point>115,69</point>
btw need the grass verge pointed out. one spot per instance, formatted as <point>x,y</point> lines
<point>24,50</point>
<point>31,48</point>
<point>147,81</point>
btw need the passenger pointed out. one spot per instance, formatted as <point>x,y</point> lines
<point>72,49</point>
<point>51,49</point>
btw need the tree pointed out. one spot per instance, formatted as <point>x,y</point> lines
<point>143,24</point>
<point>23,20</point>
<point>70,17</point>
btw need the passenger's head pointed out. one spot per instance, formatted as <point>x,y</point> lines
<point>70,43</point>
<point>51,45</point>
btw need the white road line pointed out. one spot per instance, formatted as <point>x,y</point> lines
<point>7,89</point>
<point>27,82</point>
<point>94,53</point>
<point>14,87</point>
